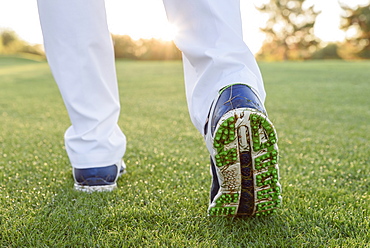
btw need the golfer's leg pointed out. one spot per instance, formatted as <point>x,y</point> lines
<point>215,55</point>
<point>79,50</point>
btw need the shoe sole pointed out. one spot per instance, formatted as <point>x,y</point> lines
<point>90,189</point>
<point>246,161</point>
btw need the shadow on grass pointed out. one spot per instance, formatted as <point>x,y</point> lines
<point>249,231</point>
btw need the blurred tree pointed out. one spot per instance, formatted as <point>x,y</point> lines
<point>37,50</point>
<point>8,37</point>
<point>144,49</point>
<point>10,42</point>
<point>347,50</point>
<point>1,45</point>
<point>155,49</point>
<point>289,30</point>
<point>356,22</point>
<point>124,47</point>
<point>328,52</point>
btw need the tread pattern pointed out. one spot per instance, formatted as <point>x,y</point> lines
<point>225,135</point>
<point>249,168</point>
<point>268,189</point>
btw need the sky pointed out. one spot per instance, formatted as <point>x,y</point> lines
<point>147,19</point>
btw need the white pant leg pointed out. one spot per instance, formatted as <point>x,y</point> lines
<point>80,53</point>
<point>215,55</point>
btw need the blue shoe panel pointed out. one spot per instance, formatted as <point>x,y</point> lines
<point>96,176</point>
<point>233,97</point>
<point>215,184</point>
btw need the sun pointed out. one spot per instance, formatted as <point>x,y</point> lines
<point>130,18</point>
<point>168,32</point>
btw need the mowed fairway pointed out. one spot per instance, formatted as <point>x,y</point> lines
<point>322,114</point>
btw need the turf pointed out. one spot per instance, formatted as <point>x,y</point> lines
<point>321,112</point>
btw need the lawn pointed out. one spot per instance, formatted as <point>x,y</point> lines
<point>321,111</point>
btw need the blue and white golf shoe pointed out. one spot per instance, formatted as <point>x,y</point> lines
<point>242,143</point>
<point>98,179</point>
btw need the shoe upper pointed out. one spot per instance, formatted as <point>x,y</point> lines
<point>98,176</point>
<point>215,184</point>
<point>233,97</point>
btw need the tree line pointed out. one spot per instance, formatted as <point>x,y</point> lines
<point>290,32</point>
<point>124,47</point>
<point>289,36</point>
<point>10,43</point>
<point>144,49</point>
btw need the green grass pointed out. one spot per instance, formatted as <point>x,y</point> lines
<point>321,111</point>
